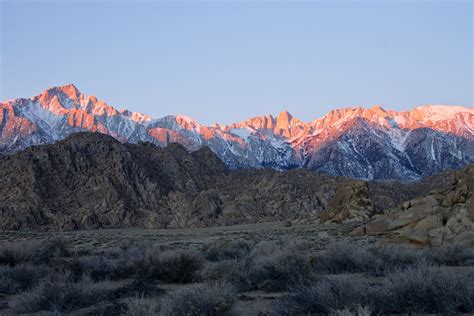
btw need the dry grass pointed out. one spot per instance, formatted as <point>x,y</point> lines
<point>21,277</point>
<point>171,266</point>
<point>211,300</point>
<point>431,290</point>
<point>324,296</point>
<point>142,306</point>
<point>52,276</point>
<point>60,293</point>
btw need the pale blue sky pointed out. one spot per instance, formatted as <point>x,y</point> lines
<point>228,61</point>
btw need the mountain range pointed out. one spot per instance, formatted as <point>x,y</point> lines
<point>91,180</point>
<point>354,142</point>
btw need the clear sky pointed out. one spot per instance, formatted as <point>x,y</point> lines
<point>227,61</point>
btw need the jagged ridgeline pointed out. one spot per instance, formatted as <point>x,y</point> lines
<point>91,180</point>
<point>364,143</point>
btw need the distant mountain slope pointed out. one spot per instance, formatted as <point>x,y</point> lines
<point>354,142</point>
<point>91,180</point>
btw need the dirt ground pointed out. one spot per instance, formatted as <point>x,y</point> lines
<point>320,234</point>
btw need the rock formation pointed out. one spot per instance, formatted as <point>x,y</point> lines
<point>351,203</point>
<point>91,180</point>
<point>440,216</point>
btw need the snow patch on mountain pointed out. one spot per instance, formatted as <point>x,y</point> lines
<point>243,133</point>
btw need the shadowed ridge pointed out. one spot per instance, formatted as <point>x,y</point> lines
<point>90,137</point>
<point>91,180</point>
<point>208,157</point>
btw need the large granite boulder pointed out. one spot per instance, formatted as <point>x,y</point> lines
<point>439,217</point>
<point>351,203</point>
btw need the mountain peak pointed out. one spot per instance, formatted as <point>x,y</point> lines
<point>443,109</point>
<point>186,119</point>
<point>135,116</point>
<point>69,87</point>
<point>284,119</point>
<point>70,90</point>
<point>285,113</point>
<point>378,108</point>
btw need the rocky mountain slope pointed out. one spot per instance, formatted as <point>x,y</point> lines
<point>354,142</point>
<point>91,180</point>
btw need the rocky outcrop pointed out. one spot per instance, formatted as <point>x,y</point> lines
<point>351,203</point>
<point>91,180</point>
<point>438,217</point>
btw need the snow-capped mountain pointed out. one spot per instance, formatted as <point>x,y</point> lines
<point>355,142</point>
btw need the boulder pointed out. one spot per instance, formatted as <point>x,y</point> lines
<point>351,203</point>
<point>441,216</point>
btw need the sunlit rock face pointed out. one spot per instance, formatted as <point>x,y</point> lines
<point>356,142</point>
